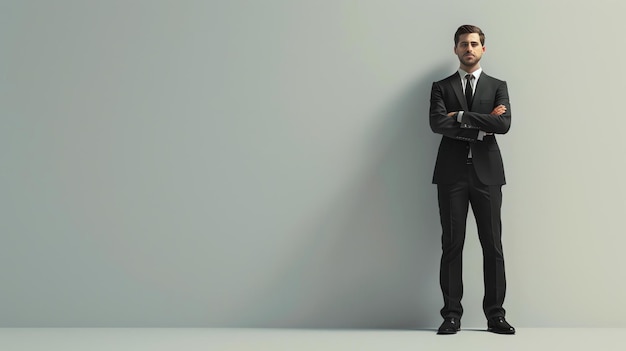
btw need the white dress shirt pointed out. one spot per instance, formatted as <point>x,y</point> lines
<point>473,82</point>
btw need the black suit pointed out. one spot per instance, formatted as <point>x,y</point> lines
<point>478,183</point>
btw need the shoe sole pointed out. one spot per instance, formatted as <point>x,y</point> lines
<point>501,332</point>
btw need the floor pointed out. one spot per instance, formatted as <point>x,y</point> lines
<point>157,339</point>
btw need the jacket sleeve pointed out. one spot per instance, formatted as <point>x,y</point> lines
<point>487,122</point>
<point>441,123</point>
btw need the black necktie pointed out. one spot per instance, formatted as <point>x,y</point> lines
<point>468,90</point>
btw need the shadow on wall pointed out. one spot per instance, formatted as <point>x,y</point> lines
<point>370,259</point>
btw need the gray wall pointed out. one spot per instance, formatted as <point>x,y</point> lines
<point>268,163</point>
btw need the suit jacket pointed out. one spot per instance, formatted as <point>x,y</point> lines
<point>458,138</point>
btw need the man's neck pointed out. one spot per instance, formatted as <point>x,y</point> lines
<point>471,69</point>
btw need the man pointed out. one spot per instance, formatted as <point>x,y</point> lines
<point>468,108</point>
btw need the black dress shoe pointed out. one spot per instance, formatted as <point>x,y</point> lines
<point>499,325</point>
<point>450,325</point>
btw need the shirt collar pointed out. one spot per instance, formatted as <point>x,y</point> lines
<point>476,73</point>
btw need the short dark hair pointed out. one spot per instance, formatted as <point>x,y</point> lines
<point>468,29</point>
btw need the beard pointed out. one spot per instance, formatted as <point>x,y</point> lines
<point>469,60</point>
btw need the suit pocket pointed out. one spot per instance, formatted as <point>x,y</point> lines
<point>486,101</point>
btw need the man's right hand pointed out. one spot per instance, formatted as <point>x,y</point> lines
<point>498,110</point>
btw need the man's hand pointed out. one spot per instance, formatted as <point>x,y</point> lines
<point>498,110</point>
<point>451,114</point>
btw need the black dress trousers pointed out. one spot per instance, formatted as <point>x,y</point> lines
<point>486,202</point>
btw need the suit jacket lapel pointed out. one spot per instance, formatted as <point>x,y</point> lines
<point>481,82</point>
<point>458,90</point>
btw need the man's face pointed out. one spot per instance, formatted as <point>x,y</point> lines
<point>469,50</point>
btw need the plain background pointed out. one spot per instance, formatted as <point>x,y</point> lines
<point>268,163</point>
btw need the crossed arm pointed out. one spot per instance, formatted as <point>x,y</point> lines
<point>472,125</point>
